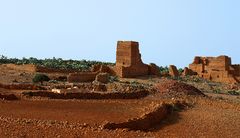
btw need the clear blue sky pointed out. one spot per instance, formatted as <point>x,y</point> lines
<point>169,31</point>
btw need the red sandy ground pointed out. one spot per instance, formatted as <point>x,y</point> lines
<point>207,117</point>
<point>83,118</point>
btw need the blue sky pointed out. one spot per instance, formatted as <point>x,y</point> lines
<point>169,31</point>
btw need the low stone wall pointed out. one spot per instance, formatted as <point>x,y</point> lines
<point>154,115</point>
<point>145,122</point>
<point>21,86</point>
<point>82,77</point>
<point>8,97</point>
<point>90,95</point>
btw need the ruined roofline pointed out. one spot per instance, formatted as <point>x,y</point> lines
<point>128,44</point>
<point>211,56</point>
<point>121,41</point>
<point>201,59</point>
<point>235,65</point>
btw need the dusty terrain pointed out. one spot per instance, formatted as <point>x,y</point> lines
<point>213,115</point>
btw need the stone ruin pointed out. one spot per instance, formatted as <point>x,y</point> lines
<point>95,74</point>
<point>129,63</point>
<point>218,69</point>
<point>173,71</point>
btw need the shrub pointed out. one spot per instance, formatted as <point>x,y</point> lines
<point>55,63</point>
<point>180,70</point>
<point>217,91</point>
<point>113,79</point>
<point>53,81</point>
<point>40,78</point>
<point>233,93</point>
<point>164,69</point>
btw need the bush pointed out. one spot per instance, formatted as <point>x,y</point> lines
<point>40,78</point>
<point>233,93</point>
<point>164,69</point>
<point>180,70</point>
<point>113,79</point>
<point>217,91</point>
<point>55,63</point>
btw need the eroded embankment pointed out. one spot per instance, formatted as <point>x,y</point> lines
<point>148,120</point>
<point>88,95</point>
<point>8,97</point>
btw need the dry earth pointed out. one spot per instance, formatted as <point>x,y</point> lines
<point>215,115</point>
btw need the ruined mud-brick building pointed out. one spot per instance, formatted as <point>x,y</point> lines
<point>129,63</point>
<point>219,69</point>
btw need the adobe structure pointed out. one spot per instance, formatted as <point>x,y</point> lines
<point>91,75</point>
<point>218,69</point>
<point>129,63</point>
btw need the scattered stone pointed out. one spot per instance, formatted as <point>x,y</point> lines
<point>99,87</point>
<point>56,90</point>
<point>102,78</point>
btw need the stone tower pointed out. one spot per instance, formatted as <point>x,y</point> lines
<point>128,61</point>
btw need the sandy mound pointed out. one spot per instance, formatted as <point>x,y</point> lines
<point>175,88</point>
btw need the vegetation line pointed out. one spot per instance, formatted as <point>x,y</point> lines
<point>55,63</point>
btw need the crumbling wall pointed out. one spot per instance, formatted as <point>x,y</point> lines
<point>128,60</point>
<point>92,75</point>
<point>173,71</point>
<point>153,69</point>
<point>188,72</point>
<point>235,69</point>
<point>217,69</point>
<point>145,122</point>
<point>103,69</point>
<point>82,77</point>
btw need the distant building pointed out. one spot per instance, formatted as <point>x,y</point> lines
<point>129,63</point>
<point>219,69</point>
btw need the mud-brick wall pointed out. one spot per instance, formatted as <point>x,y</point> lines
<point>129,63</point>
<point>82,77</point>
<point>134,71</point>
<point>128,53</point>
<point>196,68</point>
<point>221,63</point>
<point>236,70</point>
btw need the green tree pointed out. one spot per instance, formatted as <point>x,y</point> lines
<point>40,78</point>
